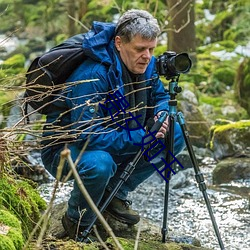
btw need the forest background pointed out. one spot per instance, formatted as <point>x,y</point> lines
<point>214,33</point>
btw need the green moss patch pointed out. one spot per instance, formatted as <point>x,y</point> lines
<point>22,200</point>
<point>10,231</point>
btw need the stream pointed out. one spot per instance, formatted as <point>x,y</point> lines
<point>187,211</point>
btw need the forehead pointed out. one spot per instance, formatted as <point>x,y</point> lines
<point>140,41</point>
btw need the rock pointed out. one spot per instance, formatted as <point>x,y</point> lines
<point>197,125</point>
<point>181,179</point>
<point>232,139</point>
<point>149,238</point>
<point>231,169</point>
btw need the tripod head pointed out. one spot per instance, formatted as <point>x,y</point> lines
<point>174,89</point>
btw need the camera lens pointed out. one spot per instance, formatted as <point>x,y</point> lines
<point>182,63</point>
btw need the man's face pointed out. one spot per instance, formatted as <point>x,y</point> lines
<point>137,53</point>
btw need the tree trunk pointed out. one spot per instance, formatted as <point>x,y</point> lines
<point>181,27</point>
<point>83,7</point>
<point>71,6</point>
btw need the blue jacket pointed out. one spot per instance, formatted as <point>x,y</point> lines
<point>86,119</point>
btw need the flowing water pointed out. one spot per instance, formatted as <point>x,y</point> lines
<point>187,211</point>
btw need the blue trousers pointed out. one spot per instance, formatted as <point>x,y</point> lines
<point>100,170</point>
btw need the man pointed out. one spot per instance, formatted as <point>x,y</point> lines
<point>108,115</point>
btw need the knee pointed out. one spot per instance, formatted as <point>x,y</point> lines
<point>98,165</point>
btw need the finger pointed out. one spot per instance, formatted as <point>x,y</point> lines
<point>159,135</point>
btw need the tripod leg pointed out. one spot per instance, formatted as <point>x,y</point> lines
<point>170,144</point>
<point>199,176</point>
<point>124,176</point>
<point>128,170</point>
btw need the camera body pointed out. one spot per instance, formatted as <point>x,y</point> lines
<point>171,65</point>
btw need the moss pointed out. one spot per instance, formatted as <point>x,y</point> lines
<point>214,101</point>
<point>225,75</point>
<point>16,237</point>
<point>234,125</point>
<point>221,132</point>
<point>16,61</point>
<point>13,239</point>
<point>21,199</point>
<point>242,84</point>
<point>128,244</point>
<point>9,219</point>
<point>6,243</point>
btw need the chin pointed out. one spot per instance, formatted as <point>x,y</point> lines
<point>139,72</point>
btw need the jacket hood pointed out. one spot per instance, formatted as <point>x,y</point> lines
<point>98,43</point>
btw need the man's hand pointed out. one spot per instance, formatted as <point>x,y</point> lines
<point>164,128</point>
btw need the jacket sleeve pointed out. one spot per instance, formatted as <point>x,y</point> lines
<point>89,123</point>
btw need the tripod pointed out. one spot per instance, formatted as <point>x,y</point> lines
<point>173,90</point>
<point>127,171</point>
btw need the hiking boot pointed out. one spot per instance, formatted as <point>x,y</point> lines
<point>75,231</point>
<point>121,211</point>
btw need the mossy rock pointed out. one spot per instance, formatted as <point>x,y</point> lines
<point>11,237</point>
<point>22,200</point>
<point>231,139</point>
<point>128,244</point>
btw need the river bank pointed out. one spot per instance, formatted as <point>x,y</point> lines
<point>188,215</point>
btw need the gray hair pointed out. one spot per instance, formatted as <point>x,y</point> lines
<point>137,22</point>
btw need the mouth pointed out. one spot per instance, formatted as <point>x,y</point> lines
<point>143,64</point>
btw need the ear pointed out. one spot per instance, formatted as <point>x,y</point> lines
<point>118,42</point>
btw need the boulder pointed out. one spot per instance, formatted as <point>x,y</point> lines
<point>150,235</point>
<point>197,125</point>
<point>230,139</point>
<point>231,169</point>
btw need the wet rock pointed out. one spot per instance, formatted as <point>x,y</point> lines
<point>150,234</point>
<point>231,169</point>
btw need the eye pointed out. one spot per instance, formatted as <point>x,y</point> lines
<point>140,49</point>
<point>151,50</point>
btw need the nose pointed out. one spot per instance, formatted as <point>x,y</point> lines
<point>146,54</point>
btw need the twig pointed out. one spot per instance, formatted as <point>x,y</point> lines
<point>66,154</point>
<point>45,217</point>
<point>99,238</point>
<point>137,236</point>
<point>77,21</point>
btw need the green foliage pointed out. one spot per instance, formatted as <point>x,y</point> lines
<point>17,61</point>
<point>224,75</point>
<point>242,84</point>
<point>217,104</point>
<point>12,67</point>
<point>229,22</point>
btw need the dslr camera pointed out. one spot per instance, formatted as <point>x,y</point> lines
<point>171,65</point>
